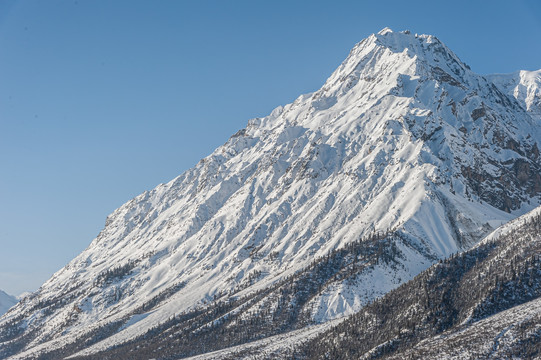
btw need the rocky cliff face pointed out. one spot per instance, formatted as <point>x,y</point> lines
<point>403,144</point>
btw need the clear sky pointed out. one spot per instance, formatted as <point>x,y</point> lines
<point>101,100</point>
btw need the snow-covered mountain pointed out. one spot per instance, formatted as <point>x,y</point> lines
<point>403,157</point>
<point>525,86</point>
<point>6,302</point>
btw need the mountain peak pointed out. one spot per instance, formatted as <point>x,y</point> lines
<point>426,47</point>
<point>6,302</point>
<point>385,30</point>
<point>389,53</point>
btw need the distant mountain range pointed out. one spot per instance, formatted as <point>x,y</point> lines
<point>6,302</point>
<point>328,206</point>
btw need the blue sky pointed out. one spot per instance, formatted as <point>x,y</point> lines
<point>101,100</point>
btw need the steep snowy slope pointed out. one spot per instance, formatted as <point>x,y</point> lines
<point>525,86</point>
<point>6,302</point>
<point>404,151</point>
<point>484,303</point>
<point>481,304</point>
